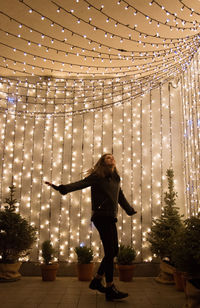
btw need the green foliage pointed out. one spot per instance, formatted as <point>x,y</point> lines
<point>84,254</point>
<point>186,254</point>
<point>47,251</point>
<point>165,228</point>
<point>16,234</point>
<point>126,255</point>
<point>11,201</point>
<point>171,195</point>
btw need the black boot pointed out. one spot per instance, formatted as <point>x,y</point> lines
<point>96,284</point>
<point>112,293</point>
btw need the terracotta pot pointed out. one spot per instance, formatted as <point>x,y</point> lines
<point>10,271</point>
<point>166,273</point>
<point>126,272</point>
<point>178,279</point>
<point>193,293</point>
<point>85,271</point>
<point>49,271</point>
<point>184,277</point>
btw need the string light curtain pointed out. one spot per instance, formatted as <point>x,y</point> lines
<point>83,78</point>
<point>190,90</point>
<point>56,129</point>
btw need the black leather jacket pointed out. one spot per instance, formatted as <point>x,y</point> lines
<point>105,194</point>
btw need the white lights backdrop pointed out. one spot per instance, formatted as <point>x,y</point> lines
<point>82,78</point>
<point>43,138</point>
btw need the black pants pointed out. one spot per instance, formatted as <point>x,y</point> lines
<point>106,227</point>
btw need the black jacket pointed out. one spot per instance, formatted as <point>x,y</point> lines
<point>105,194</point>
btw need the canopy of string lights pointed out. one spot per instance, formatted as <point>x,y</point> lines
<point>147,40</point>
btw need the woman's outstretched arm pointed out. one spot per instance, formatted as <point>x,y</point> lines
<point>64,189</point>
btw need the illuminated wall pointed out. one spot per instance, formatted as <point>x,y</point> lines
<point>57,129</point>
<point>190,93</point>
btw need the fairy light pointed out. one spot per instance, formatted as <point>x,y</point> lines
<point>191,136</point>
<point>140,159</point>
<point>53,61</point>
<point>35,11</point>
<point>74,120</point>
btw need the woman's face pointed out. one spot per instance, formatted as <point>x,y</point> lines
<point>109,160</point>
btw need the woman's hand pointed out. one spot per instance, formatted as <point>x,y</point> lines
<point>52,185</point>
<point>131,212</point>
<point>48,183</point>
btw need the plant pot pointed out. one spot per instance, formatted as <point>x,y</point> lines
<point>9,272</point>
<point>85,271</point>
<point>193,293</point>
<point>184,277</point>
<point>49,271</point>
<point>178,279</point>
<point>126,272</point>
<point>166,273</point>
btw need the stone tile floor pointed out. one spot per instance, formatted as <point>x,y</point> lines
<point>68,292</point>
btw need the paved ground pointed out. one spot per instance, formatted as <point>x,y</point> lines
<point>68,292</point>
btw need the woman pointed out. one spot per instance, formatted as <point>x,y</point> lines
<point>106,193</point>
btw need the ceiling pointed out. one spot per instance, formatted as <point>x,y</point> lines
<point>144,39</point>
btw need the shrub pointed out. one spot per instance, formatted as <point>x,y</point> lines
<point>126,255</point>
<point>186,253</point>
<point>47,251</point>
<point>84,254</point>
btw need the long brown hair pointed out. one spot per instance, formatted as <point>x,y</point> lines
<point>101,169</point>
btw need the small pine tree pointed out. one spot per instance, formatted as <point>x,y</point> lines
<point>16,234</point>
<point>164,229</point>
<point>11,201</point>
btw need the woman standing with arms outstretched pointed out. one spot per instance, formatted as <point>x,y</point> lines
<point>106,193</point>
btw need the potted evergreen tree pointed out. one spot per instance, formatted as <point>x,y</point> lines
<point>163,232</point>
<point>85,265</point>
<point>48,268</point>
<point>125,258</point>
<point>16,238</point>
<point>186,258</point>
